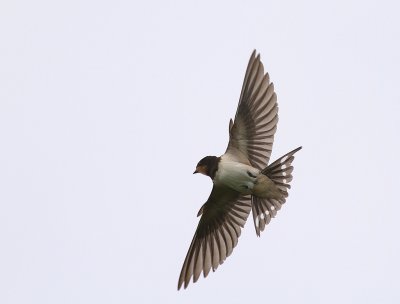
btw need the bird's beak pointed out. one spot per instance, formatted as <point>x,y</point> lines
<point>201,169</point>
<point>198,170</point>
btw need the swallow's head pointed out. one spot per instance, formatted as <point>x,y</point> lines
<point>207,166</point>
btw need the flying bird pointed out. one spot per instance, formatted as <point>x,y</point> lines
<point>242,179</point>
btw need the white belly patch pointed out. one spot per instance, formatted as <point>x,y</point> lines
<point>237,176</point>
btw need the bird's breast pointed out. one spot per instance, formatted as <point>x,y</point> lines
<point>237,176</point>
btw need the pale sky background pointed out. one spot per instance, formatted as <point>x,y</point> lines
<point>107,106</point>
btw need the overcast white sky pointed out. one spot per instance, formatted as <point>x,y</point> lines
<point>107,106</point>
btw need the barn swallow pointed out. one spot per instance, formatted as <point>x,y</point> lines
<point>242,179</point>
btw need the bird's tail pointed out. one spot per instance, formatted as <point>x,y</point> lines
<point>280,172</point>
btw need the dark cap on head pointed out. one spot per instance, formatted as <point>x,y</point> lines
<point>208,166</point>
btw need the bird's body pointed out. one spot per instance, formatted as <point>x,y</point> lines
<point>245,179</point>
<point>242,179</point>
<point>237,176</point>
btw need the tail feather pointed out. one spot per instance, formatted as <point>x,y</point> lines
<point>263,209</point>
<point>280,172</point>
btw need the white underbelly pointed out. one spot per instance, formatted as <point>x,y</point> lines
<point>237,176</point>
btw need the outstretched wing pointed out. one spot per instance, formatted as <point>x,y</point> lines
<point>252,134</point>
<point>223,216</point>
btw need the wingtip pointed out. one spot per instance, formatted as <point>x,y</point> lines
<point>180,283</point>
<point>254,56</point>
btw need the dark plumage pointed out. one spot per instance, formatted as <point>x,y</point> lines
<point>211,165</point>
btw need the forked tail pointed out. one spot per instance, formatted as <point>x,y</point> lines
<point>280,172</point>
